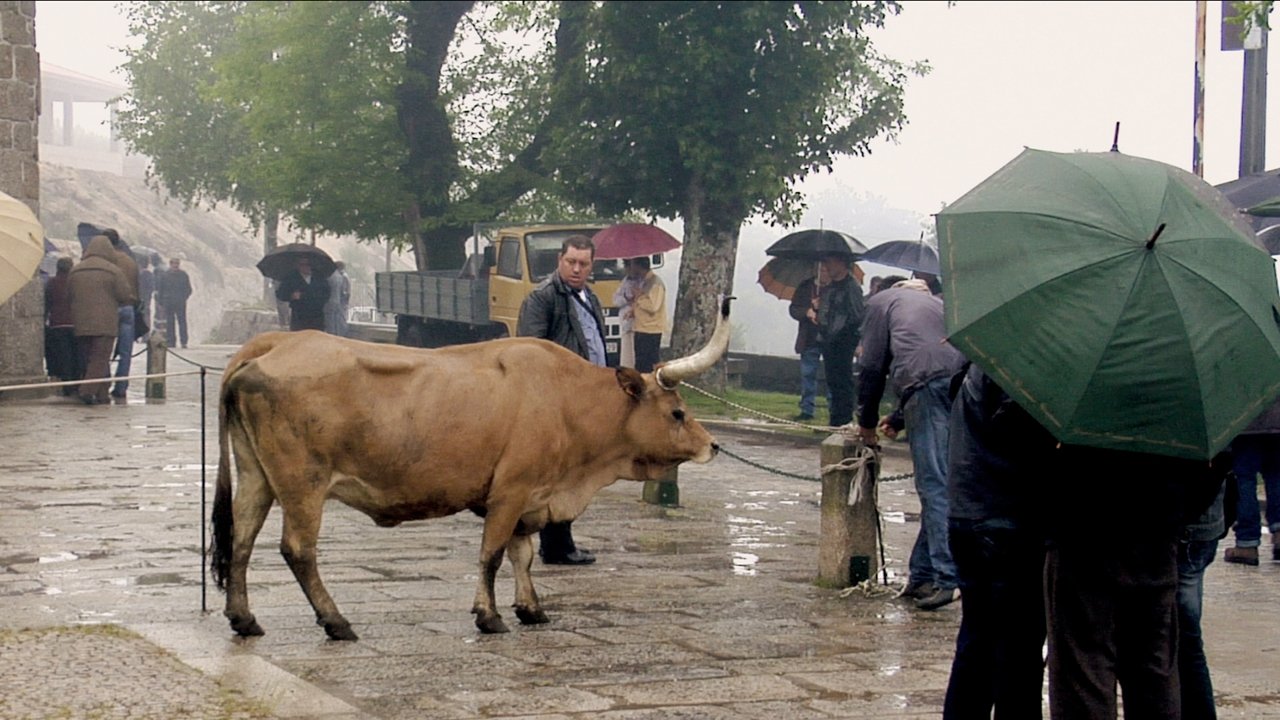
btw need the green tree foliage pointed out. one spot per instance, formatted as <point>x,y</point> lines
<point>313,82</point>
<point>169,113</point>
<point>403,121</point>
<point>712,112</point>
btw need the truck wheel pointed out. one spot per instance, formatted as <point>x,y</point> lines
<point>411,335</point>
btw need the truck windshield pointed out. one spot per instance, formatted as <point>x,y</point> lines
<point>544,250</point>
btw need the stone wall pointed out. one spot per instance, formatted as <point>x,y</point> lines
<point>22,316</point>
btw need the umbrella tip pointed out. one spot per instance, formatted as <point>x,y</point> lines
<point>1115,139</point>
<point>1152,242</point>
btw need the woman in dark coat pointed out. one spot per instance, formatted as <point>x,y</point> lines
<point>306,294</point>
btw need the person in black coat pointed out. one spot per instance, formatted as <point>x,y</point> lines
<point>306,294</point>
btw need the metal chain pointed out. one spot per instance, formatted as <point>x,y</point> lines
<point>843,429</point>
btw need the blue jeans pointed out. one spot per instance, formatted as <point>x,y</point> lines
<point>998,664</point>
<point>1193,669</point>
<point>809,361</point>
<point>124,348</point>
<point>927,415</point>
<point>1256,454</point>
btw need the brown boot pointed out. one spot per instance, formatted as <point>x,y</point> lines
<point>1241,555</point>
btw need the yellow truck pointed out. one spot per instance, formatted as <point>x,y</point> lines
<point>481,300</point>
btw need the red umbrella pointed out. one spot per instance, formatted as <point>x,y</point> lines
<point>630,240</point>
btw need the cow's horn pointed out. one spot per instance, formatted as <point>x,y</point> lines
<point>671,374</point>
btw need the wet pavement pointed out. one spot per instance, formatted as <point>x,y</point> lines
<point>708,610</point>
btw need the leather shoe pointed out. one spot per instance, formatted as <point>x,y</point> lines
<point>1241,555</point>
<point>939,598</point>
<point>577,557</point>
<point>917,590</point>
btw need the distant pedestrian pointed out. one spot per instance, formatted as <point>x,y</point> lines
<point>335,308</point>
<point>146,289</point>
<point>804,310</point>
<point>306,295</point>
<point>1257,452</point>
<point>62,357</point>
<point>126,313</point>
<point>840,315</point>
<point>98,289</point>
<point>643,298</point>
<point>173,290</point>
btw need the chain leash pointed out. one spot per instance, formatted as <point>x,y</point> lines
<point>846,430</point>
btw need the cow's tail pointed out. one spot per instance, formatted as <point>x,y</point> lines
<point>222,518</point>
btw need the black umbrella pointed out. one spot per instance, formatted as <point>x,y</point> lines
<point>280,261</point>
<point>914,255</point>
<point>86,232</point>
<point>815,245</point>
<point>1250,191</point>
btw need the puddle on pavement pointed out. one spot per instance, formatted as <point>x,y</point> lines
<point>745,563</point>
<point>63,556</point>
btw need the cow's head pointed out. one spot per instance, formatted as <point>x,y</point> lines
<point>659,427</point>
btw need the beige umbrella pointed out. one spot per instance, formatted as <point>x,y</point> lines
<point>21,245</point>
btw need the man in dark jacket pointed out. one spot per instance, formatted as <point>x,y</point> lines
<point>172,290</point>
<point>804,310</point>
<point>563,309</point>
<point>840,314</point>
<point>306,295</point>
<point>998,455</point>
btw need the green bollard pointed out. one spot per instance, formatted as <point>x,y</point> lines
<point>157,353</point>
<point>664,492</point>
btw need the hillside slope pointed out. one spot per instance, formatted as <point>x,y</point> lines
<point>218,246</point>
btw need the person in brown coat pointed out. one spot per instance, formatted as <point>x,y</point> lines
<point>98,289</point>
<point>126,329</point>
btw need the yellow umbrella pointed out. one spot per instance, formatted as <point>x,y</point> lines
<point>21,245</point>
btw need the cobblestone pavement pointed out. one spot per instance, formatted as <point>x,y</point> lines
<point>707,610</point>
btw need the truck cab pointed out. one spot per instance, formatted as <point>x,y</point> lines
<point>481,300</point>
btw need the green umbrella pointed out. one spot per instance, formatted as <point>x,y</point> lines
<point>1120,300</point>
<point>1270,208</point>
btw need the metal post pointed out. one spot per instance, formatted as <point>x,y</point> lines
<point>204,582</point>
<point>1197,142</point>
<point>1253,111</point>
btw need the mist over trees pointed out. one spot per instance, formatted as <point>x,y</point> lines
<point>407,122</point>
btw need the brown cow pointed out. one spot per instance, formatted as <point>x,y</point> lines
<point>519,431</point>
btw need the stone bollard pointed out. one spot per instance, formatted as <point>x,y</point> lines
<point>157,352</point>
<point>847,535</point>
<point>664,492</point>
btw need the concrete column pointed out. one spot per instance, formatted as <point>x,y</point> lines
<point>847,547</point>
<point>22,316</point>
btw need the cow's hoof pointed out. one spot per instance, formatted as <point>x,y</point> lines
<point>338,630</point>
<point>247,627</point>
<point>531,616</point>
<point>490,623</point>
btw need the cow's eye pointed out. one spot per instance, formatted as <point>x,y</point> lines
<point>678,414</point>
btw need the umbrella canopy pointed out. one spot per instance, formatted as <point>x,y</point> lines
<point>914,255</point>
<point>282,260</point>
<point>813,245</point>
<point>1119,300</point>
<point>21,245</point>
<point>1270,208</point>
<point>631,240</point>
<point>781,276</point>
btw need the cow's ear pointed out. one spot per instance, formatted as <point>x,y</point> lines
<point>631,382</point>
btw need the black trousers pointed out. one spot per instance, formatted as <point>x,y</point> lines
<point>647,346</point>
<point>557,539</point>
<point>837,364</point>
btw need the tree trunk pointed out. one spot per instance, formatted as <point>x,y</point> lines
<point>432,164</point>
<point>706,274</point>
<point>270,241</point>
